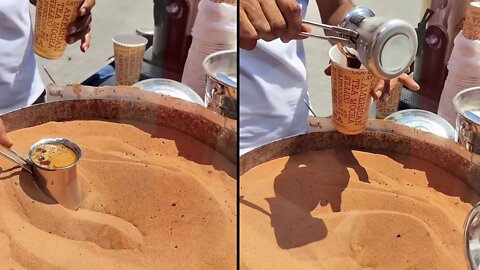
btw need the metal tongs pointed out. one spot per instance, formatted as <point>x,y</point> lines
<point>18,158</point>
<point>344,36</point>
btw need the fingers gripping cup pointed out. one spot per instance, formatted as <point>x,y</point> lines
<point>386,108</point>
<point>351,94</point>
<point>128,50</point>
<point>51,22</point>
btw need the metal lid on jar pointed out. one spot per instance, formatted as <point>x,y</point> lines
<point>425,121</point>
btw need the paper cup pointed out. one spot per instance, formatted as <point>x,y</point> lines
<point>471,27</point>
<point>351,94</point>
<point>129,51</point>
<point>390,106</point>
<point>51,22</point>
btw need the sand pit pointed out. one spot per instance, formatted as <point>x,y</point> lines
<point>154,198</point>
<point>343,209</point>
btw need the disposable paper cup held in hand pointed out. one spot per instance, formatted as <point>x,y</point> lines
<point>51,22</point>
<point>390,106</point>
<point>128,50</point>
<point>351,94</point>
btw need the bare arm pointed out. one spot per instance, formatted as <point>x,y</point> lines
<point>332,11</point>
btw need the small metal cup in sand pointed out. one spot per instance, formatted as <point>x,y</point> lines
<point>59,183</point>
<point>129,51</point>
<point>51,22</point>
<point>351,94</point>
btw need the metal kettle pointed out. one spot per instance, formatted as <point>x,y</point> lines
<point>386,47</point>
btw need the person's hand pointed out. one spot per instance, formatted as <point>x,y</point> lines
<point>80,29</point>
<point>4,139</point>
<point>382,90</point>
<point>269,20</point>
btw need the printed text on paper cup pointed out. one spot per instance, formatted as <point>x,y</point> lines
<point>351,97</point>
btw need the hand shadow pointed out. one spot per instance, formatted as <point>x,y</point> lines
<point>305,182</point>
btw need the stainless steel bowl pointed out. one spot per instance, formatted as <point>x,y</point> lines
<point>221,88</point>
<point>467,105</point>
<point>425,121</point>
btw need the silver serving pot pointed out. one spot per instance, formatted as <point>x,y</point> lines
<point>221,88</point>
<point>386,47</point>
<point>467,105</point>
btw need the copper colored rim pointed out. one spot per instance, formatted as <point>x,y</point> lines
<point>208,131</point>
<point>371,141</point>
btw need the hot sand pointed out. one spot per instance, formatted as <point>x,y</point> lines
<point>342,209</point>
<point>152,200</point>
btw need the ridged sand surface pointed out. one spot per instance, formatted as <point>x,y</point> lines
<point>343,209</point>
<point>154,198</point>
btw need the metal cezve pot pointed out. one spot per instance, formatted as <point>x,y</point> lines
<point>386,47</point>
<point>59,183</point>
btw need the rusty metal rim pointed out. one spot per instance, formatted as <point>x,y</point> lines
<point>454,160</point>
<point>204,129</point>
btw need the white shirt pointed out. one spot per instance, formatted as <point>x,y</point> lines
<point>273,85</point>
<point>20,82</point>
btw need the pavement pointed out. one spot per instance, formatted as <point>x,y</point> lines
<point>110,18</point>
<point>317,50</point>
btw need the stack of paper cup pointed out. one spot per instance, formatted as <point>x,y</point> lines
<point>351,94</point>
<point>215,29</point>
<point>51,22</point>
<point>464,63</point>
<point>128,50</point>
